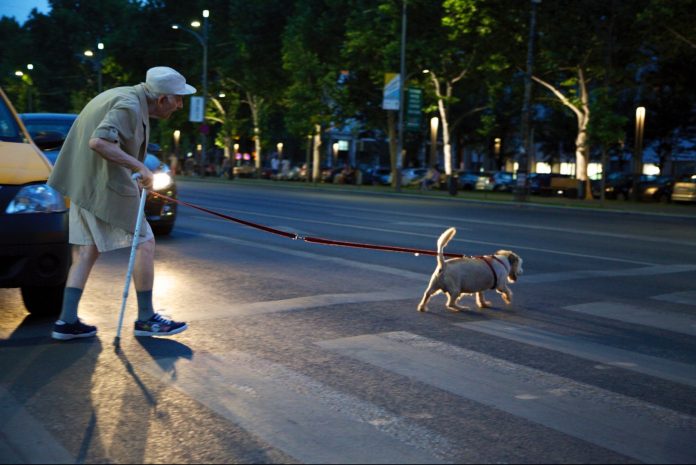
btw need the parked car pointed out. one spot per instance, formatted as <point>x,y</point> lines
<point>381,176</point>
<point>329,173</point>
<point>656,188</point>
<point>413,176</point>
<point>466,180</point>
<point>34,249</point>
<point>51,129</point>
<point>620,186</point>
<point>244,170</point>
<point>684,190</point>
<point>499,181</point>
<point>543,183</point>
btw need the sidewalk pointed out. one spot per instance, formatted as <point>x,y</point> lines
<point>651,208</point>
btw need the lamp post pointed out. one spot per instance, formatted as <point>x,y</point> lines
<point>496,147</point>
<point>97,62</point>
<point>638,151</point>
<point>434,124</point>
<point>26,79</point>
<point>640,123</point>
<point>402,78</point>
<point>177,138</point>
<point>203,40</point>
<point>523,155</point>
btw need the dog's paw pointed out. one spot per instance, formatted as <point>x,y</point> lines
<point>485,304</point>
<point>422,308</point>
<point>457,308</point>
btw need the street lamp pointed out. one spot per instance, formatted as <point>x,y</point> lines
<point>203,40</point>
<point>279,146</point>
<point>177,137</point>
<point>98,63</point>
<point>638,155</point>
<point>402,78</point>
<point>496,147</point>
<point>434,124</point>
<point>26,79</point>
<point>523,155</point>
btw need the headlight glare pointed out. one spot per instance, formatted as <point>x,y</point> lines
<point>161,181</point>
<point>38,198</point>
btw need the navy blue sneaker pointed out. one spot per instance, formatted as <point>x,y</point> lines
<point>64,331</point>
<point>159,326</point>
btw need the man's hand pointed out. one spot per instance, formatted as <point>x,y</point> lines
<point>146,177</point>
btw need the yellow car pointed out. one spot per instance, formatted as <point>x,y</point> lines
<point>34,250</point>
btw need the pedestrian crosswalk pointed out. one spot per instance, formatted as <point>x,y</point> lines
<point>300,416</point>
<point>640,315</point>
<point>625,425</point>
<point>587,349</point>
<point>314,422</point>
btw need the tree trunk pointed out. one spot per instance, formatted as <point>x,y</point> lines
<point>316,168</point>
<point>254,104</point>
<point>446,145</point>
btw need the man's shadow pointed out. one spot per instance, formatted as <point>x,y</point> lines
<point>42,376</point>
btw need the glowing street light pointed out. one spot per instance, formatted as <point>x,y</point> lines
<point>640,124</point>
<point>98,63</point>
<point>203,40</point>
<point>434,125</point>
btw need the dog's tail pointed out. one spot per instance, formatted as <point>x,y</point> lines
<point>442,242</point>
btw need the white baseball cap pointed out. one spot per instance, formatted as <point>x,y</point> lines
<point>165,80</point>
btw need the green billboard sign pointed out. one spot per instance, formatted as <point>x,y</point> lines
<point>414,106</point>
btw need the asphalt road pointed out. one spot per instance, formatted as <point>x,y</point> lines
<point>304,353</point>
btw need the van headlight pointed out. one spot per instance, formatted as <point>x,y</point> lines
<point>161,181</point>
<point>37,198</point>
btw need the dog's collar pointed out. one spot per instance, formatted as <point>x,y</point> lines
<point>495,275</point>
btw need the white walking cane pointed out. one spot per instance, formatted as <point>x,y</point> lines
<point>131,261</point>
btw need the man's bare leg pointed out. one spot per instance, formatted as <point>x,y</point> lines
<point>144,278</point>
<point>83,259</point>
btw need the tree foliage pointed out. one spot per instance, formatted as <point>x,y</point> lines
<point>287,66</point>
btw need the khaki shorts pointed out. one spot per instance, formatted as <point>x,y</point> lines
<point>87,229</point>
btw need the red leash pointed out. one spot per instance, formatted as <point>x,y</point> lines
<point>311,240</point>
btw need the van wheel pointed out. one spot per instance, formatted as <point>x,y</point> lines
<point>43,301</point>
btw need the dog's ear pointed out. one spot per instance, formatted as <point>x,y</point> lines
<point>515,262</point>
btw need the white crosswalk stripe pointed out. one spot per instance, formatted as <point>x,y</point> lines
<point>304,418</point>
<point>654,366</point>
<point>625,425</point>
<point>638,315</point>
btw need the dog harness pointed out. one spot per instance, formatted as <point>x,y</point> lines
<point>495,275</point>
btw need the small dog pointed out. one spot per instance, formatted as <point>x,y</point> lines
<point>471,275</point>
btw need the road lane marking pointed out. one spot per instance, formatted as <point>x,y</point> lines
<point>686,297</point>
<point>420,277</point>
<point>506,224</point>
<point>585,274</point>
<point>625,425</point>
<point>296,414</point>
<point>494,245</point>
<point>637,315</point>
<point>23,439</point>
<point>578,347</point>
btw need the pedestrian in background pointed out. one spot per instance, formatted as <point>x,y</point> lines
<point>105,146</point>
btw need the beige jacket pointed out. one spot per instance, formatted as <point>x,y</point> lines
<point>99,186</point>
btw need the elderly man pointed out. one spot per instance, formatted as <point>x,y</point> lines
<point>104,148</point>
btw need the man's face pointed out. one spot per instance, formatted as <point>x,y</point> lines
<point>166,105</point>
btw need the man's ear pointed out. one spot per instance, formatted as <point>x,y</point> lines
<point>161,99</point>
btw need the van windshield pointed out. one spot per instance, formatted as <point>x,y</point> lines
<point>9,130</point>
